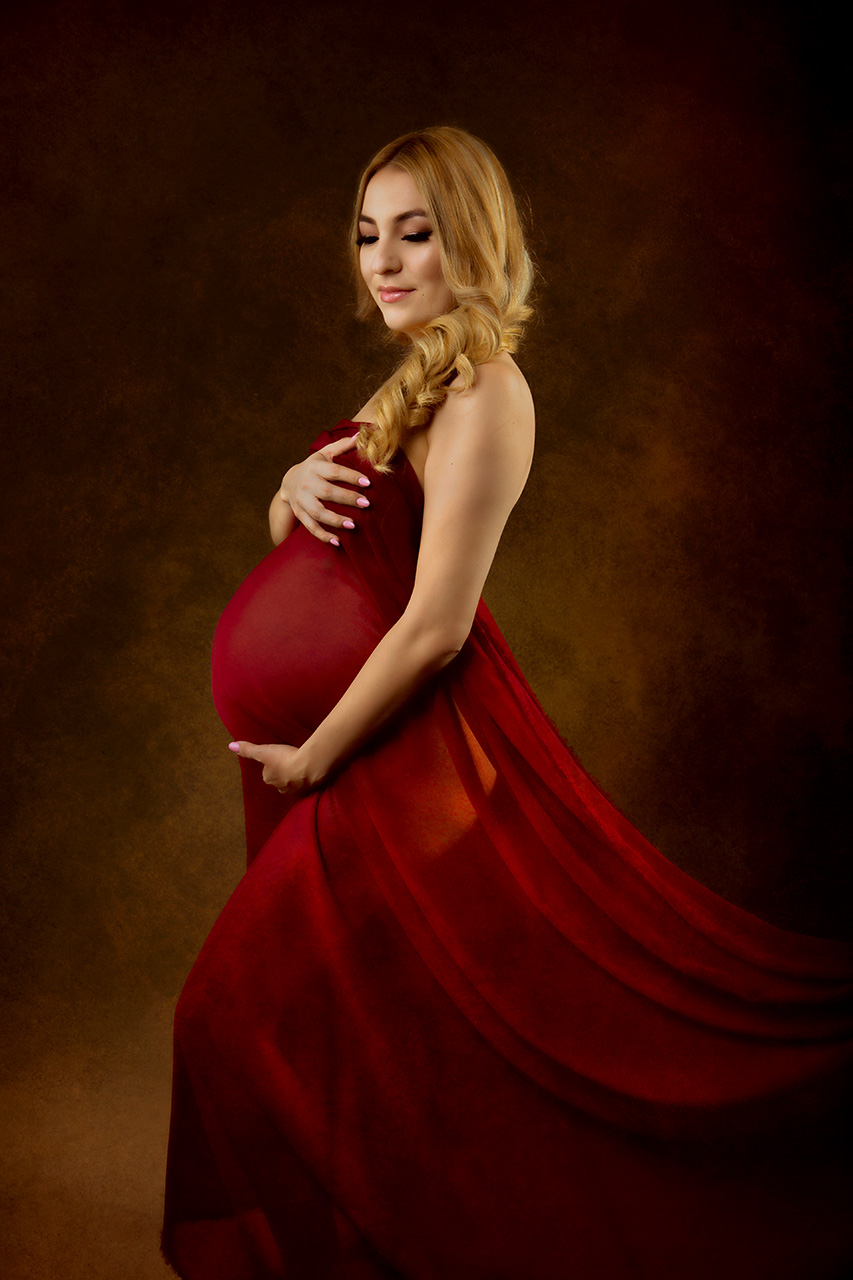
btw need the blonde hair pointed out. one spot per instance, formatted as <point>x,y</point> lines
<point>486,266</point>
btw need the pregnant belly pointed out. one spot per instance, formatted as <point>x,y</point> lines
<point>291,641</point>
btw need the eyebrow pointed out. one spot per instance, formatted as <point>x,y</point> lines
<point>401,217</point>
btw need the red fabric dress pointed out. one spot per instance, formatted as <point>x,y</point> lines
<point>460,1020</point>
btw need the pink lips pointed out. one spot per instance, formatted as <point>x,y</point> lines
<point>394,295</point>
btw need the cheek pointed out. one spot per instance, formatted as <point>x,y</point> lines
<point>432,270</point>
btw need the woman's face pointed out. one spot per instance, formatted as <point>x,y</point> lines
<point>399,252</point>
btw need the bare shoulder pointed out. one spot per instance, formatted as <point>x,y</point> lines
<point>482,438</point>
<point>500,373</point>
<point>499,401</point>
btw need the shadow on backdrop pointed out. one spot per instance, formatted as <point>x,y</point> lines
<point>180,327</point>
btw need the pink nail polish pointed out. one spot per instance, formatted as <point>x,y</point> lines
<point>362,502</point>
<point>349,524</point>
<point>233,746</point>
<point>334,542</point>
<point>363,480</point>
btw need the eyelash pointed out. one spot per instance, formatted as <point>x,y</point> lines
<point>417,236</point>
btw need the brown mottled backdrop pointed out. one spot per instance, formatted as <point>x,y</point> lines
<point>177,181</point>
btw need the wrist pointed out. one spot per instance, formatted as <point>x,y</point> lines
<point>282,520</point>
<point>313,768</point>
<point>286,487</point>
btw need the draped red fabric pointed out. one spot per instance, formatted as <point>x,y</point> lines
<point>460,1019</point>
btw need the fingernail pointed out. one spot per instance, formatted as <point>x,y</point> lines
<point>349,524</point>
<point>362,502</point>
<point>234,746</point>
<point>334,542</point>
<point>363,480</point>
<point>355,437</point>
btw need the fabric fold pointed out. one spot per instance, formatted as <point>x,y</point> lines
<point>460,1018</point>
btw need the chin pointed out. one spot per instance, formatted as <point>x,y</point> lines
<point>402,326</point>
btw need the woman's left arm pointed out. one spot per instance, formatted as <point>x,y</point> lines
<point>480,450</point>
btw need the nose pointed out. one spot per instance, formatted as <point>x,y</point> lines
<point>386,260</point>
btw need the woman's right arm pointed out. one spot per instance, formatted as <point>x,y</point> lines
<point>307,485</point>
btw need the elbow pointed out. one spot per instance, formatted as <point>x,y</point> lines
<point>452,642</point>
<point>439,644</point>
<point>445,655</point>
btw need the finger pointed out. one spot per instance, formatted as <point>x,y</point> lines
<point>326,492</point>
<point>271,778</point>
<point>331,518</point>
<point>345,475</point>
<point>251,750</point>
<point>318,489</point>
<point>318,515</point>
<point>316,529</point>
<point>343,445</point>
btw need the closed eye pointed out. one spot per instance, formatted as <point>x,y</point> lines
<point>417,237</point>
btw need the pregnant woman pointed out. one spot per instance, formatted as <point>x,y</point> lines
<point>460,1020</point>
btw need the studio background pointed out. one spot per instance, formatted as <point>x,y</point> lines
<point>179,328</point>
